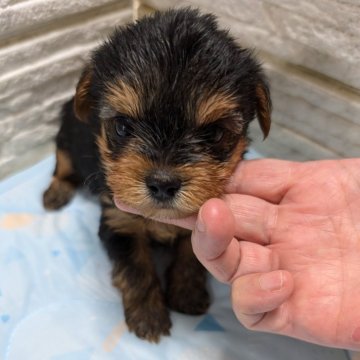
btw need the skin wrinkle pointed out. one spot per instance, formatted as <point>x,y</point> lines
<point>335,225</point>
<point>338,329</point>
<point>240,258</point>
<point>235,273</point>
<point>349,202</point>
<point>287,183</point>
<point>253,308</point>
<point>332,217</point>
<point>284,185</point>
<point>231,277</point>
<point>228,278</point>
<point>277,327</point>
<point>285,315</point>
<point>270,224</point>
<point>255,323</point>
<point>355,177</point>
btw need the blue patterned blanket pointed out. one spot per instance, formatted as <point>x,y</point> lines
<point>57,302</point>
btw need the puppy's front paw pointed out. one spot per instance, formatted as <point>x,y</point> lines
<point>149,323</point>
<point>188,299</point>
<point>58,194</point>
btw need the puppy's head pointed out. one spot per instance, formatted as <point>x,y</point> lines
<point>172,97</point>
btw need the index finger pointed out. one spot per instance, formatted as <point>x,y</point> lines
<point>186,223</point>
<point>268,179</point>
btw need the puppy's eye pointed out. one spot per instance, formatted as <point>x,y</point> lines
<point>213,133</point>
<point>218,134</point>
<point>122,126</point>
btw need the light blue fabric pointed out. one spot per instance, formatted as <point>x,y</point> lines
<point>57,302</point>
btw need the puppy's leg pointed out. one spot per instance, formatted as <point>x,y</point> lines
<point>63,184</point>
<point>134,275</point>
<point>186,281</point>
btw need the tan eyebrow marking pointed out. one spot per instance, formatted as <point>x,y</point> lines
<point>124,98</point>
<point>213,107</point>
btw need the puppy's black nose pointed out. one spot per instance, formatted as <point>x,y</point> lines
<point>162,185</point>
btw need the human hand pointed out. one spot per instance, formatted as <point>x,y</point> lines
<point>286,238</point>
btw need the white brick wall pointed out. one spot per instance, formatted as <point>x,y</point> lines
<point>312,52</point>
<point>43,46</point>
<point>323,35</point>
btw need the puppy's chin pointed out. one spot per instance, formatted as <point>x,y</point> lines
<point>160,212</point>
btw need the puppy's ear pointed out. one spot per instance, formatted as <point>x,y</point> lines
<point>82,100</point>
<point>263,106</point>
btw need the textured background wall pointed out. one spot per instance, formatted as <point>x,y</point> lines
<point>43,46</point>
<point>311,50</point>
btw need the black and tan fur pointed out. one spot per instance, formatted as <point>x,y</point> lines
<point>159,121</point>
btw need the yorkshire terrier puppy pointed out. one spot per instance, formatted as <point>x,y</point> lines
<point>159,121</point>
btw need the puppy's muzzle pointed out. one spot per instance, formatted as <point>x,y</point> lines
<point>163,185</point>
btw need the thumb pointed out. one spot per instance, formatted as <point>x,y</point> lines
<point>220,252</point>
